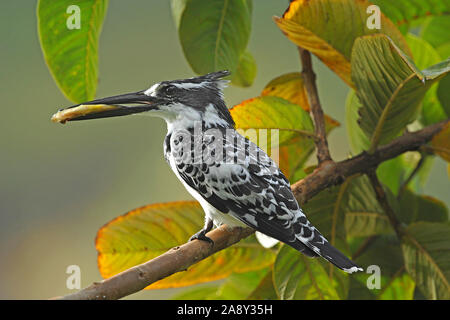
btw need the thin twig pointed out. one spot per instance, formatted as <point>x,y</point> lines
<point>364,246</point>
<point>411,176</point>
<point>383,200</point>
<point>181,258</point>
<point>309,79</point>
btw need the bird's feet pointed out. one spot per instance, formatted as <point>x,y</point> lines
<point>201,236</point>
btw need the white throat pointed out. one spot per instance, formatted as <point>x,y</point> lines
<point>180,117</point>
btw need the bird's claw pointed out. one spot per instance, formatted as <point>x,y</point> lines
<point>201,236</point>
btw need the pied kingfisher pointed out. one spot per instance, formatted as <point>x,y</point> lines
<point>236,183</point>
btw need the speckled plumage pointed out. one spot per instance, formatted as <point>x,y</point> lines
<point>235,181</point>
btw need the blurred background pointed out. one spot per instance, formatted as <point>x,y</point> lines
<point>60,184</point>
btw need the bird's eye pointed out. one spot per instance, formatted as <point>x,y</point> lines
<point>169,90</point>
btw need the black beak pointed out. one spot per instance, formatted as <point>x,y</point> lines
<point>109,107</point>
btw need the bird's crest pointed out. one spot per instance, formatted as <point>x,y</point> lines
<point>215,77</point>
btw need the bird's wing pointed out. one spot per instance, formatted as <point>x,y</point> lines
<point>247,184</point>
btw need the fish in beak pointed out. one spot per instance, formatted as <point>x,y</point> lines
<point>121,105</point>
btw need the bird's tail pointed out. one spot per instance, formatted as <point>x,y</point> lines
<point>319,246</point>
<point>336,257</point>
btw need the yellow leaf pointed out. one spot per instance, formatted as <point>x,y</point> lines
<point>147,232</point>
<point>288,86</point>
<point>272,113</point>
<point>293,156</point>
<point>328,29</point>
<point>441,143</point>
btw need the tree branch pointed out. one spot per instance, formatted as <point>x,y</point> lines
<point>180,258</point>
<point>309,78</point>
<point>175,260</point>
<point>335,173</point>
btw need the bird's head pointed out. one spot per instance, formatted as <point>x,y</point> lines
<point>185,100</point>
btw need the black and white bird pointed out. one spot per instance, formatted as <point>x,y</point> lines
<point>236,183</point>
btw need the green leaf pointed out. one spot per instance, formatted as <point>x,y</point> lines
<point>408,207</point>
<point>239,286</point>
<point>236,287</point>
<point>432,109</point>
<point>423,52</point>
<point>265,289</point>
<point>149,231</point>
<point>214,34</point>
<point>404,12</point>
<point>328,28</point>
<point>208,292</point>
<point>443,94</point>
<point>177,7</point>
<point>425,55</point>
<point>414,207</point>
<point>246,71</point>
<point>426,250</point>
<point>436,33</point>
<point>357,139</point>
<point>399,288</point>
<point>72,54</point>
<point>394,172</point>
<point>358,290</point>
<point>383,251</point>
<point>431,209</point>
<point>389,86</point>
<point>326,211</point>
<point>299,277</point>
<point>269,113</point>
<point>363,214</point>
<point>350,209</point>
